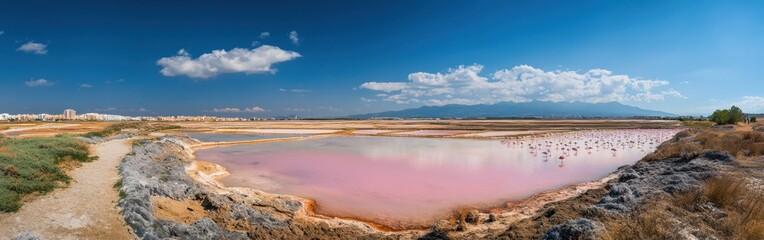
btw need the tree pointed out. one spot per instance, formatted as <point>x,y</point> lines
<point>720,116</point>
<point>727,116</point>
<point>736,115</point>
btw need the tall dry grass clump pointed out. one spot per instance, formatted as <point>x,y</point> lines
<point>743,205</point>
<point>646,223</point>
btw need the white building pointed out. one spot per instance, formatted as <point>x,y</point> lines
<point>70,114</point>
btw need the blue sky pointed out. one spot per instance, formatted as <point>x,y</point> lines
<point>337,58</point>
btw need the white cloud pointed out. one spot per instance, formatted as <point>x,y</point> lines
<point>294,37</point>
<point>239,110</point>
<point>33,47</point>
<point>254,110</point>
<point>295,90</point>
<point>85,85</point>
<point>751,104</point>
<point>39,83</point>
<point>297,109</point>
<point>385,86</point>
<point>255,43</point>
<point>465,85</point>
<point>226,110</point>
<point>237,60</point>
<point>368,100</point>
<point>264,35</point>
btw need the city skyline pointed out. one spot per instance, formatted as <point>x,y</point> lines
<point>246,59</point>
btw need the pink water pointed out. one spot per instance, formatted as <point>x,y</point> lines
<point>404,181</point>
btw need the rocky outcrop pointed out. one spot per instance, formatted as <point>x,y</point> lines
<point>158,169</point>
<point>581,228</point>
<point>644,181</point>
<point>26,235</point>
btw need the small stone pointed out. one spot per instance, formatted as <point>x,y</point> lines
<point>472,217</point>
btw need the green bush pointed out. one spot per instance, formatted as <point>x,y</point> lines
<point>31,165</point>
<point>727,116</point>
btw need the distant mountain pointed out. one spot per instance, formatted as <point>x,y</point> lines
<point>535,109</point>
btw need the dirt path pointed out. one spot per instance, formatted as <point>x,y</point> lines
<point>86,209</point>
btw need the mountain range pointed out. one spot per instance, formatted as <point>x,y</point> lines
<point>533,109</point>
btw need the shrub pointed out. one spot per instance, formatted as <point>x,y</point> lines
<point>727,116</point>
<point>32,165</point>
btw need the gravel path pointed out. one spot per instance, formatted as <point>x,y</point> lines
<point>86,209</point>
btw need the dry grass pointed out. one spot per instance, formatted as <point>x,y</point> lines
<point>742,217</point>
<point>691,143</point>
<point>651,222</point>
<point>725,191</point>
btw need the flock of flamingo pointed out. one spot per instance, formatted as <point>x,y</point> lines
<point>565,145</point>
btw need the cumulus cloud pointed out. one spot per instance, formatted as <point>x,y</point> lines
<point>751,104</point>
<point>237,60</point>
<point>239,110</point>
<point>264,35</point>
<point>39,83</point>
<point>85,85</point>
<point>33,47</point>
<point>294,37</point>
<point>385,86</point>
<point>466,85</point>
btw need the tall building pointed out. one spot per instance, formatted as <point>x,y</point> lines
<point>70,114</point>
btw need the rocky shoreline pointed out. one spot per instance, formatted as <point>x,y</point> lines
<point>168,195</point>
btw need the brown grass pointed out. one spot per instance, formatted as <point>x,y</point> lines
<point>742,218</point>
<point>651,222</point>
<point>691,143</point>
<point>725,191</point>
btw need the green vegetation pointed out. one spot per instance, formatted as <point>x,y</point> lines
<point>34,165</point>
<point>140,127</point>
<point>727,116</point>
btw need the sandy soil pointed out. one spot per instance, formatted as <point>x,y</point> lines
<point>37,129</point>
<point>86,209</point>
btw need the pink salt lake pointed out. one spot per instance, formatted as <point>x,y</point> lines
<point>405,181</point>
